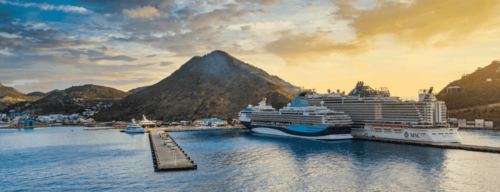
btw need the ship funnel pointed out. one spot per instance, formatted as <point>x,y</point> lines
<point>426,95</point>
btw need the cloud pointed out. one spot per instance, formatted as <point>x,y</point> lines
<point>310,4</point>
<point>113,58</point>
<point>153,55</point>
<point>196,42</point>
<point>296,48</point>
<point>217,16</point>
<point>166,63</point>
<point>49,7</point>
<point>144,12</point>
<point>117,6</point>
<point>421,22</point>
<point>246,28</point>
<point>10,36</point>
<point>92,53</point>
<point>6,52</point>
<point>260,2</point>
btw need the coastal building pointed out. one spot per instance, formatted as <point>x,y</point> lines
<point>488,124</point>
<point>55,116</point>
<point>462,123</point>
<point>453,89</point>
<point>479,123</point>
<point>213,122</point>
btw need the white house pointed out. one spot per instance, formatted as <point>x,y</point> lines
<point>213,122</point>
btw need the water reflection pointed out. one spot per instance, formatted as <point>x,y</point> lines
<point>58,159</point>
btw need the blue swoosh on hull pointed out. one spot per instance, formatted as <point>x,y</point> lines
<point>298,131</point>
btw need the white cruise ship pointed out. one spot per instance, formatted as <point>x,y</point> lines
<point>376,114</point>
<point>298,119</point>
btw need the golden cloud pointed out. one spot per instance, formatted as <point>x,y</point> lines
<point>143,12</point>
<point>297,48</point>
<point>420,22</point>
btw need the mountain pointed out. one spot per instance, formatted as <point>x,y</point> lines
<point>9,96</point>
<point>138,89</point>
<point>37,93</point>
<point>9,91</point>
<point>72,100</point>
<point>482,87</point>
<point>215,85</point>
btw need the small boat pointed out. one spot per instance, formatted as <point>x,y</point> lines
<point>133,128</point>
<point>146,123</point>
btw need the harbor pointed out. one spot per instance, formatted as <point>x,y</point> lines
<point>237,159</point>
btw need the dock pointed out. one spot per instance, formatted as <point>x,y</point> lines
<point>101,129</point>
<point>434,144</point>
<point>202,128</point>
<point>168,158</point>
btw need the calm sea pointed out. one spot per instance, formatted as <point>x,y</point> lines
<point>60,159</point>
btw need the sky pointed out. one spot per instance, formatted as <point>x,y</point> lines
<point>403,45</point>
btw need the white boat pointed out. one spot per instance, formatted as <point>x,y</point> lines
<point>133,128</point>
<point>376,114</point>
<point>146,123</point>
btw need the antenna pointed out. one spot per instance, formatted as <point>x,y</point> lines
<point>329,91</point>
<point>338,90</point>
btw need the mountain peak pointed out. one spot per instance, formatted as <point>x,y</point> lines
<point>214,85</point>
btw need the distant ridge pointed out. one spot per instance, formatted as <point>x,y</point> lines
<point>9,96</point>
<point>215,85</point>
<point>476,89</point>
<point>138,89</point>
<point>68,101</point>
<point>37,93</point>
<point>9,91</point>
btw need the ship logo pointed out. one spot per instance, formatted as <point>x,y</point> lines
<point>296,101</point>
<point>406,134</point>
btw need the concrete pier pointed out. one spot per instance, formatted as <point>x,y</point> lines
<point>168,158</point>
<point>201,128</point>
<point>434,144</point>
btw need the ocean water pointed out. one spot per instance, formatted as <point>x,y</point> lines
<point>62,159</point>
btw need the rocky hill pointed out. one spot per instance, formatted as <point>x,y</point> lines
<point>37,93</point>
<point>215,85</point>
<point>9,96</point>
<point>138,89</point>
<point>9,91</point>
<point>72,100</point>
<point>482,87</point>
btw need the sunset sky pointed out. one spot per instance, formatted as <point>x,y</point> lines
<point>403,45</point>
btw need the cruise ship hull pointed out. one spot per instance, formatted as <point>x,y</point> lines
<point>319,135</point>
<point>443,135</point>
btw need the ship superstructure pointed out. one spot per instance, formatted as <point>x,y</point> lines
<point>376,114</point>
<point>297,119</point>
